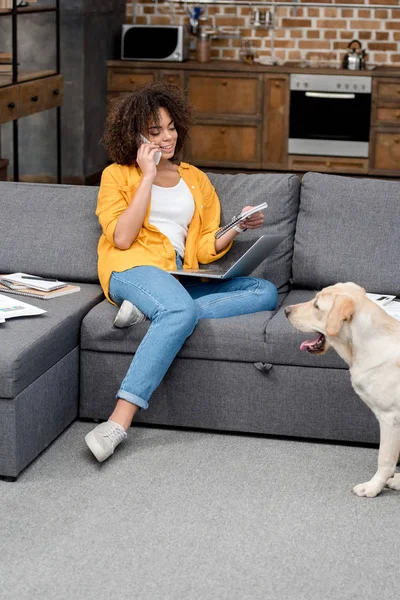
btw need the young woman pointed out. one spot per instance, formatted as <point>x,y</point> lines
<point>155,219</point>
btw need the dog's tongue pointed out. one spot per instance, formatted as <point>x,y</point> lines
<point>311,343</point>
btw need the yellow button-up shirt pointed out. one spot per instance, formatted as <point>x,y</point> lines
<point>151,247</point>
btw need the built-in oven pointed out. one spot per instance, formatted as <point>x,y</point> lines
<point>330,115</point>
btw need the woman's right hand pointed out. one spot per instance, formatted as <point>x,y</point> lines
<point>145,159</point>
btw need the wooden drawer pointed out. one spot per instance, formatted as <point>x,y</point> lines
<point>387,89</point>
<point>9,103</point>
<point>328,164</point>
<point>224,144</point>
<point>41,94</point>
<point>388,114</point>
<point>386,151</point>
<point>224,95</point>
<point>128,80</point>
<point>172,77</point>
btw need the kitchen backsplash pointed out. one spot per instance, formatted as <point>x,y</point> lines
<point>309,35</point>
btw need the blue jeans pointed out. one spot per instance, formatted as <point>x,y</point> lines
<point>174,308</point>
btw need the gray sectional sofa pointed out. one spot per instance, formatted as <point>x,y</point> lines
<point>243,374</point>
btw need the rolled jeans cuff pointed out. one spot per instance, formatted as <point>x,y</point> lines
<point>133,399</point>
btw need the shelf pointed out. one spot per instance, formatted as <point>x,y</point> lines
<point>6,79</point>
<point>7,12</point>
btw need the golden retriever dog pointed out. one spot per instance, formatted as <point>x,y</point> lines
<point>368,340</point>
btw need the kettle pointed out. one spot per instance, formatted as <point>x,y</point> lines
<point>354,59</point>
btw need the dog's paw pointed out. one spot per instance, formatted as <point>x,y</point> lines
<point>367,489</point>
<point>394,482</point>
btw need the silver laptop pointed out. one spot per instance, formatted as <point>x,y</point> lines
<point>246,264</point>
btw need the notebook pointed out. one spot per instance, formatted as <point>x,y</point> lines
<point>6,288</point>
<point>31,281</point>
<point>246,264</point>
<point>237,219</point>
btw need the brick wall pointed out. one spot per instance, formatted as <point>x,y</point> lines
<point>316,35</point>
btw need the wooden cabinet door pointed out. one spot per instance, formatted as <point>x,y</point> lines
<point>276,121</point>
<point>216,95</point>
<point>226,145</point>
<point>385,155</point>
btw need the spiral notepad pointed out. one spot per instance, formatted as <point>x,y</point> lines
<point>235,220</point>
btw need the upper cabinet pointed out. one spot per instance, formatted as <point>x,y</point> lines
<point>241,117</point>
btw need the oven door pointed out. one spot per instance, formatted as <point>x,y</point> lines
<point>329,123</point>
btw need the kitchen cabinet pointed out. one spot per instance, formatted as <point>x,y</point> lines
<point>241,115</point>
<point>240,119</point>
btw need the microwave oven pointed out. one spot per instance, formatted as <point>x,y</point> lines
<point>155,42</point>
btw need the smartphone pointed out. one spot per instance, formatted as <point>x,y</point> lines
<point>157,155</point>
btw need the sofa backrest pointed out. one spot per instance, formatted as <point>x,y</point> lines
<point>281,191</point>
<point>49,230</point>
<point>348,229</point>
<point>52,230</point>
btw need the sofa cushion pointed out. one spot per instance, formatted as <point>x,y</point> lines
<point>348,230</point>
<point>282,194</point>
<point>235,338</point>
<point>49,230</point>
<point>283,340</point>
<point>31,345</point>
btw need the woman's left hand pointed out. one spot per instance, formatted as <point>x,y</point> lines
<point>255,220</point>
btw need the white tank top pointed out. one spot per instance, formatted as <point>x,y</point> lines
<point>171,211</point>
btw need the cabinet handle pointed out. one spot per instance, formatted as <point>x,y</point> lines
<point>222,131</point>
<point>56,92</point>
<point>224,83</point>
<point>397,140</point>
<point>11,105</point>
<point>328,163</point>
<point>277,84</point>
<point>35,98</point>
<point>171,79</point>
<point>397,114</point>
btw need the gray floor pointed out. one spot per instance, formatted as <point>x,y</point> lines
<point>192,515</point>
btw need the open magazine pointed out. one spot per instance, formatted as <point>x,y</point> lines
<point>393,309</point>
<point>10,307</point>
<point>389,303</point>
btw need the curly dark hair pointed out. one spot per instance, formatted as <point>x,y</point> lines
<point>133,114</point>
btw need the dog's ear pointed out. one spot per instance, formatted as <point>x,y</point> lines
<point>343,309</point>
